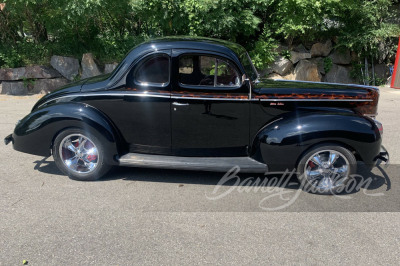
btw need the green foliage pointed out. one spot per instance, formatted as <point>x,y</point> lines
<point>33,30</point>
<point>28,82</point>
<point>264,52</point>
<point>286,54</point>
<point>327,64</point>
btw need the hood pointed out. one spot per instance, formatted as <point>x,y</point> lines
<point>88,84</point>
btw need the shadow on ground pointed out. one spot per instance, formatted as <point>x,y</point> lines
<point>365,179</point>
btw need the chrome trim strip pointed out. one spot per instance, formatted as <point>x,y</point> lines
<point>201,98</point>
<point>316,100</point>
<point>107,94</point>
<point>209,98</point>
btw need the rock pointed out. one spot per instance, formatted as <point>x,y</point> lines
<point>297,56</point>
<point>282,66</point>
<point>321,49</point>
<point>48,85</point>
<point>41,72</point>
<point>300,49</point>
<point>29,72</point>
<point>341,57</point>
<point>12,73</point>
<point>14,88</point>
<point>281,48</point>
<point>319,61</point>
<point>290,76</point>
<point>339,74</point>
<point>307,71</point>
<point>382,71</point>
<point>274,76</point>
<point>67,66</point>
<point>89,66</point>
<point>265,72</point>
<point>108,68</point>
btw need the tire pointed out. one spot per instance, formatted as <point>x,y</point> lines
<point>317,174</point>
<point>80,155</point>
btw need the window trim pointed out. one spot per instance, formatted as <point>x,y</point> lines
<point>216,57</point>
<point>151,84</point>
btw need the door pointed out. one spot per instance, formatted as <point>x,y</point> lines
<point>141,108</point>
<point>210,106</point>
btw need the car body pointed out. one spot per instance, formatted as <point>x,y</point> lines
<point>198,104</point>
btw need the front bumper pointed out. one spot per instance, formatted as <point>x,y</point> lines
<point>382,159</point>
<point>8,139</point>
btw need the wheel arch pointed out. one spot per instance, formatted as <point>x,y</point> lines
<point>35,134</point>
<point>283,141</point>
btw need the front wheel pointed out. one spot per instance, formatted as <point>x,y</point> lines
<point>80,155</point>
<point>326,169</point>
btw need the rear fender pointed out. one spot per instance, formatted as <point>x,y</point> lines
<point>35,133</point>
<point>280,143</point>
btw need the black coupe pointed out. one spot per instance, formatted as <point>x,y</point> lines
<point>198,104</point>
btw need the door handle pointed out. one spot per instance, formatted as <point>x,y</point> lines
<point>180,104</point>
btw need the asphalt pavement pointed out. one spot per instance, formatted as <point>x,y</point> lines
<point>147,216</point>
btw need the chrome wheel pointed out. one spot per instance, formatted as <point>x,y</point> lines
<point>78,153</point>
<point>326,169</point>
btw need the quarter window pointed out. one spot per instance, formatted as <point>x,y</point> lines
<point>154,71</point>
<point>198,70</point>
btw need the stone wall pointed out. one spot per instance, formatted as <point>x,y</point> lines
<point>44,79</point>
<point>320,62</point>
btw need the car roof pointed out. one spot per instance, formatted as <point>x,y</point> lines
<point>232,50</point>
<point>192,42</point>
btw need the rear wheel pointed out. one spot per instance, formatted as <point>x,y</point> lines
<point>326,169</point>
<point>80,155</point>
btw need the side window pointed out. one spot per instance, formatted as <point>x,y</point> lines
<point>153,71</point>
<point>199,70</point>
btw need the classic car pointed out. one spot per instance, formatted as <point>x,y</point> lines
<point>199,104</point>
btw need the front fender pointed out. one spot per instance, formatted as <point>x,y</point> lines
<point>35,133</point>
<point>281,143</point>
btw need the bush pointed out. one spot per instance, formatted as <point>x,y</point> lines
<point>32,30</point>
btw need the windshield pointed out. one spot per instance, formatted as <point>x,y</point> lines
<point>249,67</point>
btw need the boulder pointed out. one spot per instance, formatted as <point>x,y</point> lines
<point>89,66</point>
<point>290,76</point>
<point>32,72</point>
<point>41,72</point>
<point>307,71</point>
<point>282,66</point>
<point>321,49</point>
<point>319,61</point>
<point>67,66</point>
<point>14,88</point>
<point>12,73</point>
<point>382,71</point>
<point>297,56</point>
<point>48,85</point>
<point>108,68</point>
<point>274,76</point>
<point>339,74</point>
<point>300,49</point>
<point>281,48</point>
<point>341,57</point>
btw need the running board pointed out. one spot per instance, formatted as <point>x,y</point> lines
<point>212,164</point>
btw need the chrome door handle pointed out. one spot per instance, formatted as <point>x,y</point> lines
<point>180,104</point>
